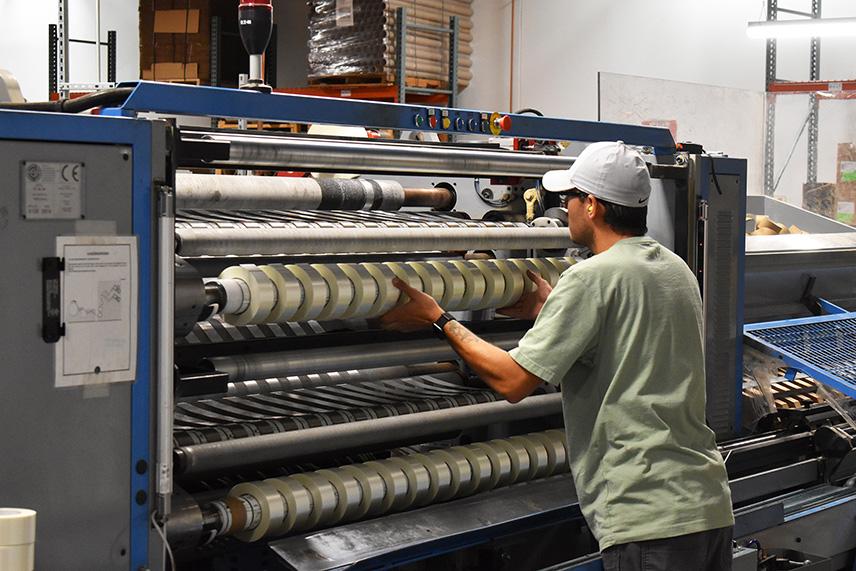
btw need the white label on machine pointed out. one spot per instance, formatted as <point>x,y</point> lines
<point>344,13</point>
<point>98,292</point>
<point>52,190</point>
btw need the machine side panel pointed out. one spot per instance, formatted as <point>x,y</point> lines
<point>65,452</point>
<point>722,189</point>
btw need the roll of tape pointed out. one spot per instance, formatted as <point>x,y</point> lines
<point>316,293</point>
<point>298,504</point>
<point>17,526</point>
<point>272,508</point>
<point>546,270</point>
<point>262,294</point>
<point>513,282</point>
<point>407,274</point>
<point>524,264</point>
<point>474,285</point>
<point>494,284</point>
<point>17,557</point>
<point>342,498</point>
<point>370,490</point>
<point>432,282</point>
<point>289,293</point>
<point>341,290</point>
<point>387,294</point>
<point>365,290</point>
<point>454,285</point>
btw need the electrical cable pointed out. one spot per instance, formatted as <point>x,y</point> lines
<point>162,535</point>
<point>108,97</point>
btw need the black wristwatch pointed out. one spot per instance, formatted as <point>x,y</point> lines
<point>441,322</point>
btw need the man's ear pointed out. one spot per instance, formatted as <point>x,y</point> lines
<point>591,205</point>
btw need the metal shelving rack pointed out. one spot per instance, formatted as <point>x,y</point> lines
<point>402,25</point>
<point>775,87</point>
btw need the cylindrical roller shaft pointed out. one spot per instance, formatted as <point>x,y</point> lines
<point>223,192</point>
<point>214,241</point>
<point>358,156</point>
<point>348,493</point>
<point>437,198</point>
<point>313,380</point>
<point>254,366</point>
<point>285,446</point>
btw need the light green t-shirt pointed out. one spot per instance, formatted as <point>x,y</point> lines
<point>622,334</point>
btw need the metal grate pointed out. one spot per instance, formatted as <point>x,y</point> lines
<point>822,347</point>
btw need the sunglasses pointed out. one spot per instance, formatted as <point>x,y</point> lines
<point>566,197</point>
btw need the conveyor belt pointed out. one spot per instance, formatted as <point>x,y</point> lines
<point>823,347</point>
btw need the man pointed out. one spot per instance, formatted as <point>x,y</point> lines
<point>621,334</point>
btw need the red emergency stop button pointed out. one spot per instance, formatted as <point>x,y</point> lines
<point>504,123</point>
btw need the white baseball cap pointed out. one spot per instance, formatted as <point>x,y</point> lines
<point>608,170</point>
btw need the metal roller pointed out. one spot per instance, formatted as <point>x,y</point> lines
<point>382,157</point>
<point>267,240</point>
<point>252,366</point>
<point>314,380</point>
<point>224,192</point>
<point>286,446</point>
<point>348,493</point>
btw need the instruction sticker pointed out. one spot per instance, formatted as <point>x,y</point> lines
<point>52,190</point>
<point>98,292</point>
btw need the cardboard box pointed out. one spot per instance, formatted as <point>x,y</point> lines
<point>177,21</point>
<point>172,70</point>
<point>846,183</point>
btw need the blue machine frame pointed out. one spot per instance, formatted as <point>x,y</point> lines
<point>66,128</point>
<point>223,102</point>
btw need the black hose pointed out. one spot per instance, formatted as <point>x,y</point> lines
<point>108,97</point>
<point>529,110</point>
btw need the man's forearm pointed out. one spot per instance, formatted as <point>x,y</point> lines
<point>492,364</point>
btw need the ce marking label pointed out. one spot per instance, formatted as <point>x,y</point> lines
<point>71,174</point>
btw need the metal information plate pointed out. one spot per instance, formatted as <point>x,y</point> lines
<point>51,190</point>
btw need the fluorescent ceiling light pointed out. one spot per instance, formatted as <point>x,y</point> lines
<point>808,28</point>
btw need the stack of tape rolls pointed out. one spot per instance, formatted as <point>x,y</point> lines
<point>17,539</point>
<point>301,292</point>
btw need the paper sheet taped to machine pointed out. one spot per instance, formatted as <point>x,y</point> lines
<point>98,292</point>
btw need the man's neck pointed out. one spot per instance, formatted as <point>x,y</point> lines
<point>603,241</point>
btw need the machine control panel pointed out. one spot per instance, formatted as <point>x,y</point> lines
<point>462,121</point>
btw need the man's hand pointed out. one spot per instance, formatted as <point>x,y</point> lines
<point>530,303</point>
<point>418,313</point>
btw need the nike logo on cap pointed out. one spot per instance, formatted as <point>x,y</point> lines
<point>642,200</point>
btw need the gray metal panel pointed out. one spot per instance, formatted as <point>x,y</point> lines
<point>65,453</point>
<point>722,291</point>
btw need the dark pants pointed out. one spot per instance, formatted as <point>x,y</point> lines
<point>703,551</point>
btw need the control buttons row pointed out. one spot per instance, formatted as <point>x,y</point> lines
<point>494,123</point>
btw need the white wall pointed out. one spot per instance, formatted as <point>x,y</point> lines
<point>561,45</point>
<point>24,41</point>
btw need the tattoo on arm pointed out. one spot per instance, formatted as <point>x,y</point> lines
<point>461,333</point>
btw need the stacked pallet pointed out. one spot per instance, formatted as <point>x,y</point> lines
<point>355,40</point>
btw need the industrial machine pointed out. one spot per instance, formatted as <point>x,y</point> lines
<point>196,372</point>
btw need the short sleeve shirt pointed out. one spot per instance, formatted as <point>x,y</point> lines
<point>621,333</point>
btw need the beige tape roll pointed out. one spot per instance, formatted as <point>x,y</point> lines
<point>406,274</point>
<point>561,264</point>
<point>342,496</point>
<point>513,282</point>
<point>17,526</point>
<point>365,290</point>
<point>272,508</point>
<point>289,293</point>
<point>432,282</point>
<point>298,504</point>
<point>262,294</point>
<point>494,284</point>
<point>524,264</point>
<point>474,282</point>
<point>17,557</point>
<point>341,290</point>
<point>316,293</point>
<point>546,270</point>
<point>387,294</point>
<point>454,285</point>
